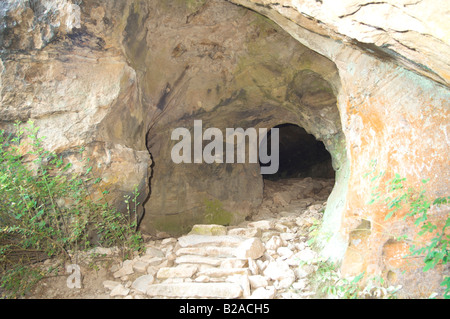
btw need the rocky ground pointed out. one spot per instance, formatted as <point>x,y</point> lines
<point>260,258</point>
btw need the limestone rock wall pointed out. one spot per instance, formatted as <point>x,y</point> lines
<point>413,33</point>
<point>394,106</point>
<point>73,82</point>
<point>230,68</point>
<point>369,79</point>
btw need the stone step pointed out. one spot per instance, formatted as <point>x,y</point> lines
<point>199,240</point>
<point>223,272</point>
<point>196,290</point>
<point>181,271</point>
<point>212,251</point>
<point>211,230</point>
<point>194,259</point>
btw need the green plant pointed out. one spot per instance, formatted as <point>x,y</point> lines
<point>437,250</point>
<point>19,280</point>
<point>375,288</point>
<point>396,196</point>
<point>316,235</point>
<point>313,232</point>
<point>328,281</point>
<point>47,209</point>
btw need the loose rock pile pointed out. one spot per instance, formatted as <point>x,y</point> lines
<point>258,259</point>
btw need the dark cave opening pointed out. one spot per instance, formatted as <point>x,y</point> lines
<point>300,155</point>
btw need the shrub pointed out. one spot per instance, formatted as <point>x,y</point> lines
<point>396,196</point>
<point>47,210</point>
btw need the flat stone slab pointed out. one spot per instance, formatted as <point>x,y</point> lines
<point>141,284</point>
<point>223,272</point>
<point>211,251</point>
<point>194,259</point>
<point>211,230</point>
<point>182,271</point>
<point>196,290</point>
<point>196,240</point>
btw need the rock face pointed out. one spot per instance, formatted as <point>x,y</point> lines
<point>414,34</point>
<point>243,74</point>
<point>77,89</point>
<point>368,79</point>
<point>394,104</point>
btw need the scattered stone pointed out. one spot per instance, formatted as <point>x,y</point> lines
<point>304,271</point>
<point>300,284</point>
<point>252,248</point>
<point>154,252</point>
<point>127,269</point>
<point>306,255</point>
<point>274,243</point>
<point>141,284</point>
<point>287,236</point>
<point>284,283</point>
<point>243,281</point>
<point>282,228</point>
<point>119,290</point>
<point>267,235</point>
<point>263,293</point>
<point>258,281</point>
<point>284,252</point>
<point>152,270</point>
<point>279,270</point>
<point>151,261</point>
<point>262,264</point>
<point>166,263</point>
<point>109,284</point>
<point>282,199</point>
<point>140,266</point>
<point>253,266</point>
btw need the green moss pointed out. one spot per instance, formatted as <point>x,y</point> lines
<point>214,213</point>
<point>175,225</point>
<point>180,224</point>
<point>210,230</point>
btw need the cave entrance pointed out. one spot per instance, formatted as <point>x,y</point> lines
<point>300,155</point>
<point>305,176</point>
